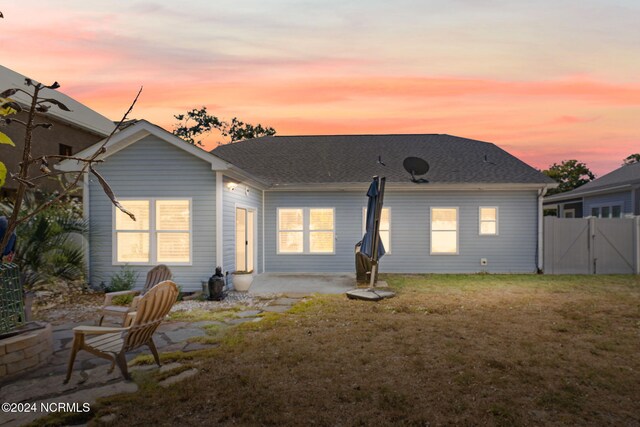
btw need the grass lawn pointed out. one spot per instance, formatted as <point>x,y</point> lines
<point>449,349</point>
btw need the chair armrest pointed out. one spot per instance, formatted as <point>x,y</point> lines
<point>96,330</point>
<point>110,295</point>
<point>135,302</point>
<point>130,318</point>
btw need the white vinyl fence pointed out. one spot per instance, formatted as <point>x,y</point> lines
<point>591,245</point>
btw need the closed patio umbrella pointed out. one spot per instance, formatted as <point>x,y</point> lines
<point>371,247</point>
<point>368,241</point>
<point>371,244</point>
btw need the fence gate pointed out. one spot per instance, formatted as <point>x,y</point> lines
<point>591,245</point>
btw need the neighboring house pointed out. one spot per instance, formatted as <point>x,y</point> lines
<point>296,204</point>
<point>613,195</point>
<point>71,132</point>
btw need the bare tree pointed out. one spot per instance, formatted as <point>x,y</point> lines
<point>25,180</point>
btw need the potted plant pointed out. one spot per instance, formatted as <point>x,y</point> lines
<point>242,280</point>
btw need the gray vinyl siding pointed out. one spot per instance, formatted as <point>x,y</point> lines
<point>513,250</point>
<point>576,206</point>
<point>146,169</point>
<point>231,200</point>
<point>620,198</point>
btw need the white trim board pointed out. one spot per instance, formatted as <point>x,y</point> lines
<point>408,186</point>
<point>135,133</point>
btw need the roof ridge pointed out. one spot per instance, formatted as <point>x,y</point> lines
<point>351,158</point>
<point>357,134</point>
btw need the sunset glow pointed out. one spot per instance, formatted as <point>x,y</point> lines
<point>546,80</point>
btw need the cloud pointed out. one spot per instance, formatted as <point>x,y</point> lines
<point>340,73</point>
<point>535,120</point>
<point>573,120</point>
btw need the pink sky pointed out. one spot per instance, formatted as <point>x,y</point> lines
<point>547,81</point>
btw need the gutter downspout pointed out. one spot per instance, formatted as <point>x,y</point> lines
<point>219,219</point>
<point>264,267</point>
<point>86,240</point>
<point>541,194</point>
<point>636,229</point>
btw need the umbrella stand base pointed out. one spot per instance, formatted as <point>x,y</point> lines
<point>369,294</point>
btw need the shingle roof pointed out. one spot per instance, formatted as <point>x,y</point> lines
<point>353,159</point>
<point>626,175</point>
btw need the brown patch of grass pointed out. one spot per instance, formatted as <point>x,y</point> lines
<point>206,339</point>
<point>198,315</point>
<point>173,356</point>
<point>62,419</point>
<point>470,350</point>
<point>160,376</point>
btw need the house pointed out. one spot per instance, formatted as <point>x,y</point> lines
<point>613,195</point>
<point>296,204</point>
<point>71,132</point>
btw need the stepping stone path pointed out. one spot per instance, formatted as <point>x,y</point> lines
<point>90,380</point>
<point>177,378</point>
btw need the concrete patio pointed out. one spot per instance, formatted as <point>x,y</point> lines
<point>90,379</point>
<point>302,283</point>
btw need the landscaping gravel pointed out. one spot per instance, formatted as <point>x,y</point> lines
<point>233,299</point>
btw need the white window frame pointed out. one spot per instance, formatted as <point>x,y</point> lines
<point>457,230</point>
<point>153,247</point>
<point>480,233</point>
<point>566,211</point>
<point>255,232</point>
<point>306,231</point>
<point>609,205</point>
<point>621,211</point>
<point>309,231</point>
<point>278,231</point>
<point>364,226</point>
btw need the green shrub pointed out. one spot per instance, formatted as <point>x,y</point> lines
<point>124,300</point>
<point>49,246</point>
<point>124,280</point>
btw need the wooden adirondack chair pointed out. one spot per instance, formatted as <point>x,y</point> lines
<point>157,274</point>
<point>113,343</point>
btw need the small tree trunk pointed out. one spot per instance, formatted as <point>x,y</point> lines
<point>24,171</point>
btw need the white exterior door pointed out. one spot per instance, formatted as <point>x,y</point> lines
<point>245,239</point>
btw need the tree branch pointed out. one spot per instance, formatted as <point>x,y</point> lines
<point>52,174</point>
<point>23,173</point>
<point>62,157</point>
<point>24,181</point>
<point>9,121</point>
<point>14,221</point>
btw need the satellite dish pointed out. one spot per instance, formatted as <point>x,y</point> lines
<point>416,166</point>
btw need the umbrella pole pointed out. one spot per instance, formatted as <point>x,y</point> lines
<point>374,270</point>
<point>376,232</point>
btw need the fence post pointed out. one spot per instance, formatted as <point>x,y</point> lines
<point>548,245</point>
<point>591,228</point>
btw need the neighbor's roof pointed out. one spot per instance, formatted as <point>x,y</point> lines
<point>80,115</point>
<point>618,180</point>
<point>282,160</point>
